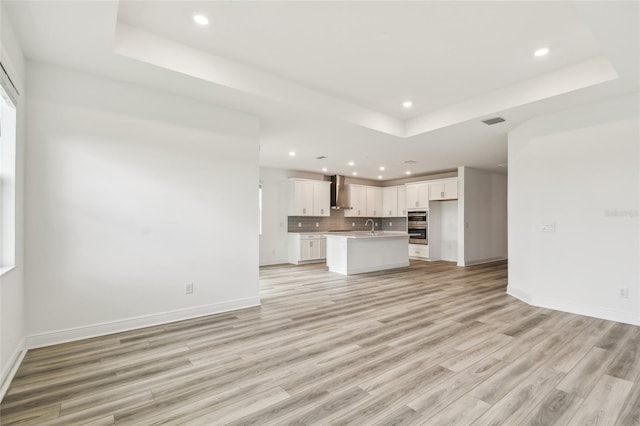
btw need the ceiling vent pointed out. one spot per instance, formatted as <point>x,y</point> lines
<point>492,121</point>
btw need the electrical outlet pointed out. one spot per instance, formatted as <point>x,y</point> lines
<point>623,292</point>
<point>299,224</point>
<point>188,288</point>
<point>317,224</point>
<point>390,224</point>
<point>353,224</point>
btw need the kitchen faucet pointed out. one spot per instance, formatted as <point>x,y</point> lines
<point>373,231</point>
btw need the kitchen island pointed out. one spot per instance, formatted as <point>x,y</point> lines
<point>357,252</point>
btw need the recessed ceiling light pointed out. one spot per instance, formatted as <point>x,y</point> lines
<point>381,168</point>
<point>541,52</point>
<point>355,173</point>
<point>408,172</point>
<point>201,20</point>
<point>379,177</point>
<point>407,104</point>
<point>324,169</point>
<point>351,163</point>
<point>292,154</point>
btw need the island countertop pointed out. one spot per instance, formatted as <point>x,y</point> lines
<point>367,234</point>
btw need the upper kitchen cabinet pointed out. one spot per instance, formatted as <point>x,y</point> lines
<point>374,201</point>
<point>321,198</point>
<point>417,195</point>
<point>358,201</point>
<point>402,201</point>
<point>443,190</point>
<point>394,201</point>
<point>309,197</point>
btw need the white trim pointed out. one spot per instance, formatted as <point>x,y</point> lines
<point>519,294</point>
<point>627,317</point>
<point>6,269</point>
<point>78,333</point>
<point>274,262</point>
<point>9,374</point>
<point>481,261</point>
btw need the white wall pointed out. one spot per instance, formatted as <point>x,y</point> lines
<point>577,170</point>
<point>273,241</point>
<point>130,194</point>
<point>482,219</point>
<point>12,330</point>
<point>448,229</point>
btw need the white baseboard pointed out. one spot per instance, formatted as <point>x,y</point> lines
<point>481,261</point>
<point>94,330</point>
<point>519,294</point>
<point>12,369</point>
<point>627,317</point>
<point>273,262</point>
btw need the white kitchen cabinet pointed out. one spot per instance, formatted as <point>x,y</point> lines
<point>374,201</point>
<point>418,251</point>
<point>390,201</point>
<point>417,195</point>
<point>443,190</point>
<point>402,201</point>
<point>307,248</point>
<point>394,202</point>
<point>357,200</point>
<point>309,198</point>
<point>321,198</point>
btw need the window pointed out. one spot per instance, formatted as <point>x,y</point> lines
<point>7,173</point>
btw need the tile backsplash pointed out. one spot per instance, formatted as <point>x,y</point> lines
<point>337,221</point>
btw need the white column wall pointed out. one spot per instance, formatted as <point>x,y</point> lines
<point>578,172</point>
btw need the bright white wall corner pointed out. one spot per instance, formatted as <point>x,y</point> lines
<point>273,241</point>
<point>12,318</point>
<point>131,194</point>
<point>577,171</point>
<point>482,216</point>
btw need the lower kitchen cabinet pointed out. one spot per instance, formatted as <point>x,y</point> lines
<point>418,251</point>
<point>307,248</point>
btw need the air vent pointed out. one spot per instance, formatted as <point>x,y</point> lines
<point>492,121</point>
<point>322,157</point>
<point>410,162</point>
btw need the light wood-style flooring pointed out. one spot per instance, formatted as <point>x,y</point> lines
<point>432,344</point>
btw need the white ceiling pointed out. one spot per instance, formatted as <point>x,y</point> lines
<point>327,78</point>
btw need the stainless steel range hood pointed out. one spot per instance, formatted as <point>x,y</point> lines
<point>339,194</point>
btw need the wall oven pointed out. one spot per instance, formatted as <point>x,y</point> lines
<point>417,226</point>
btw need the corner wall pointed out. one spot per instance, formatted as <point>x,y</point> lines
<point>574,183</point>
<point>12,315</point>
<point>273,241</point>
<point>132,193</point>
<point>482,216</point>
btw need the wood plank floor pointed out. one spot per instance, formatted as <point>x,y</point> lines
<point>432,344</point>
